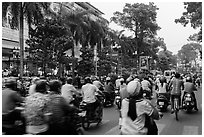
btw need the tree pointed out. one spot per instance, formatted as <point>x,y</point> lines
<point>189,53</point>
<point>78,22</point>
<point>104,63</point>
<point>192,15</point>
<point>139,19</point>
<point>31,11</point>
<point>49,41</point>
<point>86,66</point>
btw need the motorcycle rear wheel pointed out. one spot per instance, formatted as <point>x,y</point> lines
<point>85,123</point>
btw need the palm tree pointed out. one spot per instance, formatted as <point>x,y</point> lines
<point>33,12</point>
<point>79,24</point>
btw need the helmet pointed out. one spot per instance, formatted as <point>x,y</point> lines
<point>87,80</point>
<point>41,86</point>
<point>108,79</point>
<point>55,85</point>
<point>122,79</point>
<point>188,79</point>
<point>35,79</point>
<point>162,79</point>
<point>69,80</point>
<point>133,88</point>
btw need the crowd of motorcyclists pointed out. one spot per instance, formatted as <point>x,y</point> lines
<point>48,106</point>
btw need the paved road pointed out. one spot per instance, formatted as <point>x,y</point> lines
<point>188,124</point>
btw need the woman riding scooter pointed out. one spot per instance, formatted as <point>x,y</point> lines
<point>189,87</point>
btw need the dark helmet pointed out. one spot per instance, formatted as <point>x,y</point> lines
<point>87,80</point>
<point>177,75</point>
<point>41,86</point>
<point>55,85</point>
<point>188,79</point>
<point>162,79</point>
<point>69,80</point>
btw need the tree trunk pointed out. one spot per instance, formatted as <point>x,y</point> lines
<point>73,60</point>
<point>21,42</point>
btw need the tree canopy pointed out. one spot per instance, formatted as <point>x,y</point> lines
<point>192,15</point>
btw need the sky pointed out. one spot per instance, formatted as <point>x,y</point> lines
<point>175,35</point>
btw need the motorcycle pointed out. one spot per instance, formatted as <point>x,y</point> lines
<point>89,116</point>
<point>118,99</point>
<point>13,123</point>
<point>188,102</point>
<point>146,94</point>
<point>162,101</point>
<point>109,99</point>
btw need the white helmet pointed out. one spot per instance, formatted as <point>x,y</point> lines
<point>133,88</point>
<point>108,78</point>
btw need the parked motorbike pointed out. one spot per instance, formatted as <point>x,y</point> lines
<point>162,101</point>
<point>188,102</point>
<point>118,99</point>
<point>88,115</point>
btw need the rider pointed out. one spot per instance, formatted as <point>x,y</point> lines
<point>89,92</point>
<point>134,110</point>
<point>32,87</point>
<point>10,100</point>
<point>162,87</point>
<point>68,90</point>
<point>146,85</point>
<point>98,84</point>
<point>109,88</point>
<point>117,82</point>
<point>61,110</point>
<point>189,87</point>
<point>177,85</point>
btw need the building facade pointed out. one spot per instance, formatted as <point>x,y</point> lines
<point>10,37</point>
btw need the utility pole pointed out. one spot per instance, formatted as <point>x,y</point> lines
<point>21,42</point>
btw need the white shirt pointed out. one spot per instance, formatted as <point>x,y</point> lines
<point>32,89</point>
<point>117,83</point>
<point>136,127</point>
<point>97,83</point>
<point>162,89</point>
<point>88,92</point>
<point>67,92</point>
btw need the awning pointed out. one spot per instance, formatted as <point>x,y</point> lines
<point>6,52</point>
<point>9,44</point>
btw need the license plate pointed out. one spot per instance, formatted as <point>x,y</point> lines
<point>117,97</point>
<point>161,103</point>
<point>188,99</point>
<point>83,113</point>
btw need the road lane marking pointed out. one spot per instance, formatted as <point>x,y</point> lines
<point>160,127</point>
<point>113,131</point>
<point>103,122</point>
<point>190,130</point>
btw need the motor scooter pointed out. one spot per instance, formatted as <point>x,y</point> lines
<point>109,98</point>
<point>162,101</point>
<point>13,123</point>
<point>188,102</point>
<point>146,94</point>
<point>118,99</point>
<point>88,115</point>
